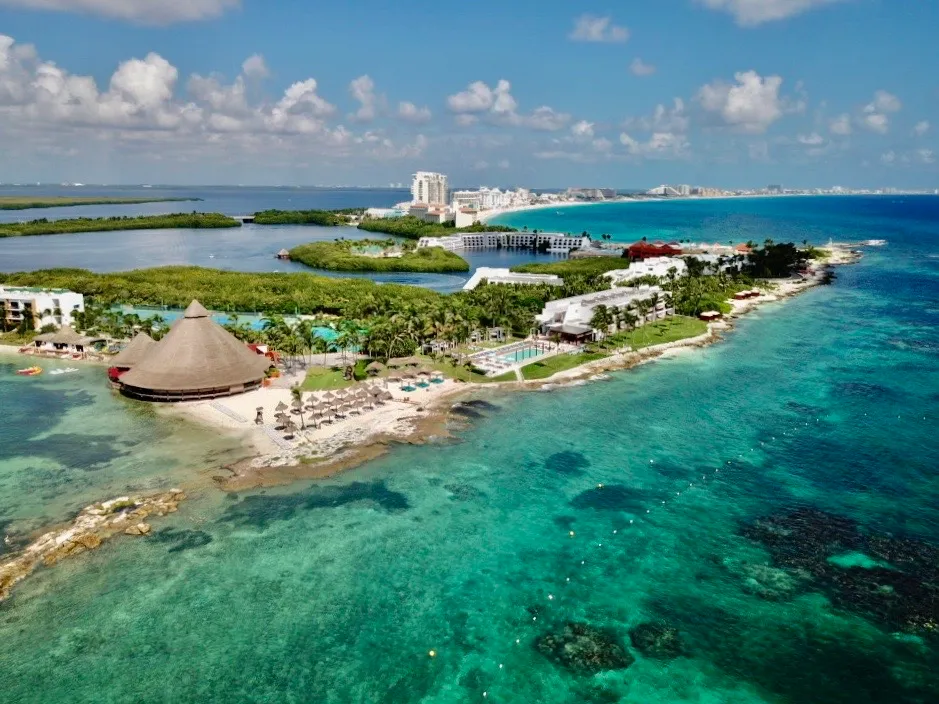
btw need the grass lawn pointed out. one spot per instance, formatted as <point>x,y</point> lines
<point>560,363</point>
<point>324,379</point>
<point>677,327</point>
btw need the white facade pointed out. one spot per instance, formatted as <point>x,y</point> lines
<point>431,188</point>
<point>466,216</point>
<point>550,241</point>
<point>653,266</point>
<point>50,306</point>
<point>663,191</point>
<point>505,276</point>
<point>578,310</point>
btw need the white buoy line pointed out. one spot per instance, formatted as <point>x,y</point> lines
<point>553,597</point>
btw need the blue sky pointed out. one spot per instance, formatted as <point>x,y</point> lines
<point>543,94</point>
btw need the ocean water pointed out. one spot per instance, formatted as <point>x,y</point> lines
<point>627,501</point>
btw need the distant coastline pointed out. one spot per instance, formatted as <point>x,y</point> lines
<point>38,202</point>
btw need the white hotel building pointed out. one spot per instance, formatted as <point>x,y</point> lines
<point>45,306</point>
<point>555,242</point>
<point>430,188</point>
<point>572,316</point>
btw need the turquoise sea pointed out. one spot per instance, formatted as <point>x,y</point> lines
<point>755,522</point>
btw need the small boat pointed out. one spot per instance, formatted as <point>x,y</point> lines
<point>69,370</point>
<point>29,371</point>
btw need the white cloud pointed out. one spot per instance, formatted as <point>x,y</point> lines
<point>813,140</point>
<point>876,122</point>
<point>926,156</point>
<point>841,125</point>
<point>545,118</point>
<point>255,67</point>
<point>884,102</point>
<point>409,112</point>
<point>140,11</point>
<point>500,107</point>
<point>751,105</point>
<point>466,120</point>
<point>638,67</point>
<point>478,97</point>
<point>921,128</point>
<point>888,158</point>
<point>750,13</point>
<point>590,28</point>
<point>582,129</point>
<point>659,145</point>
<point>363,91</point>
<point>663,119</point>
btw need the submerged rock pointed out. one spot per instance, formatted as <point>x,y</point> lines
<point>893,581</point>
<point>584,649</point>
<point>768,582</point>
<point>657,640</point>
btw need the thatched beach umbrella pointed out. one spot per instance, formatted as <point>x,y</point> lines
<point>280,407</point>
<point>375,368</point>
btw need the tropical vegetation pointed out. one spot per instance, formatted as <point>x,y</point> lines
<point>347,255</point>
<point>413,228</point>
<point>325,218</point>
<point>30,202</point>
<point>583,266</point>
<point>139,222</point>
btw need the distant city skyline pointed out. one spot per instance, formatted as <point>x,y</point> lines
<point>722,93</point>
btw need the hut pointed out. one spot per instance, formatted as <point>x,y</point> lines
<point>398,362</point>
<point>710,315</point>
<point>198,359</point>
<point>64,341</point>
<point>283,254</point>
<point>375,368</point>
<point>131,355</point>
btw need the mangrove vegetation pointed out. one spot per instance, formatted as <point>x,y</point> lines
<point>140,222</point>
<point>413,228</point>
<point>377,255</point>
<point>324,218</point>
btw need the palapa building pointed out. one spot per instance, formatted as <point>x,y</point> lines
<point>198,359</point>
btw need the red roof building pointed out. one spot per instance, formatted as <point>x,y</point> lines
<point>646,250</point>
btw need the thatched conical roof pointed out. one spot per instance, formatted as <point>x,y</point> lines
<point>197,353</point>
<point>65,335</point>
<point>134,352</point>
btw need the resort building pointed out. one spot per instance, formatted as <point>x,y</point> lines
<point>542,241</point>
<point>430,188</point>
<point>430,213</point>
<point>43,306</point>
<point>571,317</point>
<point>644,250</point>
<point>64,343</point>
<point>466,217</point>
<point>663,190</point>
<point>198,359</point>
<point>654,266</point>
<point>505,276</point>
<point>591,193</point>
<point>130,356</point>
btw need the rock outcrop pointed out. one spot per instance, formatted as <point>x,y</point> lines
<point>95,524</point>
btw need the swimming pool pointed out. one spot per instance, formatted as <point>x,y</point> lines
<point>521,355</point>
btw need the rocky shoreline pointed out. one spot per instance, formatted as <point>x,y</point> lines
<point>124,515</point>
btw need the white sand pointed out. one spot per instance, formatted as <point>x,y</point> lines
<point>395,418</point>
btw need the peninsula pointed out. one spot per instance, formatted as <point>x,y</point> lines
<point>44,226</point>
<point>377,256</point>
<point>33,202</point>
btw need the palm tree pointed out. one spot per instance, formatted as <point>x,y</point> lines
<point>297,393</point>
<point>654,301</point>
<point>320,345</point>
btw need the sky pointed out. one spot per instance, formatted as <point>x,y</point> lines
<point>724,93</point>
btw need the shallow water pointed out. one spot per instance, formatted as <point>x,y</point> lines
<point>336,591</point>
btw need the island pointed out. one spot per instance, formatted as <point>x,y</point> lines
<point>44,226</point>
<point>32,202</point>
<point>376,256</point>
<point>323,218</point>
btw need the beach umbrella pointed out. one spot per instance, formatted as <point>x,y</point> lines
<point>281,406</point>
<point>386,396</point>
<point>375,390</point>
